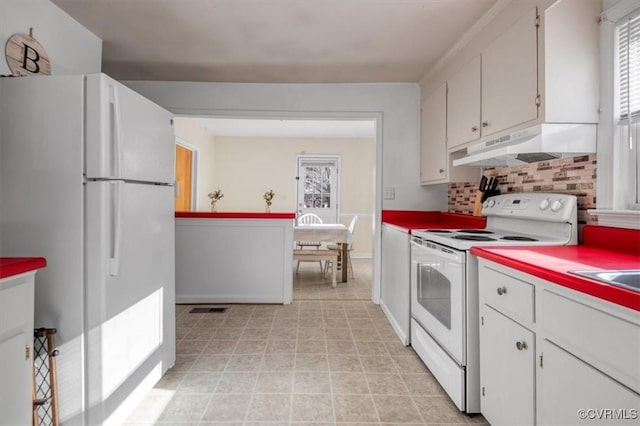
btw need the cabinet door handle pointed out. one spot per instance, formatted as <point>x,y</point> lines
<point>502,290</point>
<point>27,352</point>
<point>474,129</point>
<point>485,123</point>
<point>521,345</point>
<point>441,170</point>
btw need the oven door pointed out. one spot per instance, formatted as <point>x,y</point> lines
<point>438,295</point>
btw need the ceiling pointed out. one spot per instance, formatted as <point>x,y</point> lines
<point>275,41</point>
<point>288,128</point>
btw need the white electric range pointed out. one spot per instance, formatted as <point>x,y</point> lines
<point>444,282</point>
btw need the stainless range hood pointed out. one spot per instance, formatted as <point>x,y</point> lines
<point>542,142</point>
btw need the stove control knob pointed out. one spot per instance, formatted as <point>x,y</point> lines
<point>489,203</point>
<point>544,204</point>
<point>556,206</point>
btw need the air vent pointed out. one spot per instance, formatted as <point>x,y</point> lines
<point>207,310</point>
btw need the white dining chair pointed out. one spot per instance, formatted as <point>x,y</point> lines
<point>308,219</point>
<point>329,264</point>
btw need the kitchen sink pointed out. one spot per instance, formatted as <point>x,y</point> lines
<point>625,278</point>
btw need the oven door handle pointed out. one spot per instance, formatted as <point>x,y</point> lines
<point>435,250</point>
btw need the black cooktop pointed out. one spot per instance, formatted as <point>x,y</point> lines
<point>518,238</point>
<point>473,238</point>
<point>475,231</point>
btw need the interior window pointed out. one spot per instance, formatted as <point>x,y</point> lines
<point>627,108</point>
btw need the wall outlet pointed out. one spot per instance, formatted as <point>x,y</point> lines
<point>389,193</point>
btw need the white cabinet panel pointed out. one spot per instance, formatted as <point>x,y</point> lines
<point>463,105</point>
<point>435,162</point>
<point>16,343</point>
<point>586,332</point>
<point>433,153</point>
<point>510,77</point>
<point>507,370</point>
<point>394,297</point>
<point>508,295</point>
<point>567,385</point>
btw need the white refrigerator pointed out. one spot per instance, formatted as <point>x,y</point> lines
<point>86,181</point>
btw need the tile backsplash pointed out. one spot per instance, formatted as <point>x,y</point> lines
<point>573,175</point>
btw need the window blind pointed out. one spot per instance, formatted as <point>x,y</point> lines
<point>629,67</point>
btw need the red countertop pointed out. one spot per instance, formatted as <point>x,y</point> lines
<point>10,266</point>
<point>410,219</point>
<point>234,215</point>
<point>603,248</point>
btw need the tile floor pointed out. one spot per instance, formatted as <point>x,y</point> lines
<point>312,362</point>
<point>309,283</point>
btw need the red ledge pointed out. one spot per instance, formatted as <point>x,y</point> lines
<point>234,215</point>
<point>614,239</point>
<point>554,263</point>
<point>410,220</point>
<point>10,266</point>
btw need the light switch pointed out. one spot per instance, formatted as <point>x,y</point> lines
<point>389,193</point>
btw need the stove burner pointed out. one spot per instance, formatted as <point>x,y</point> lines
<point>475,231</point>
<point>517,238</point>
<point>439,231</point>
<point>473,238</point>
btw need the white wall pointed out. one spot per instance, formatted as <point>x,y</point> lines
<point>397,104</point>
<point>72,49</point>
<point>245,167</point>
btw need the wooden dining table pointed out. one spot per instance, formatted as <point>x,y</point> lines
<point>329,233</point>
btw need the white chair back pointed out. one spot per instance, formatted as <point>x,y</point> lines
<point>352,228</point>
<point>352,224</point>
<point>309,219</point>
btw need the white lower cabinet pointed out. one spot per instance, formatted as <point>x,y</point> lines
<point>16,354</point>
<point>395,266</point>
<point>550,355</point>
<point>507,369</point>
<point>572,392</point>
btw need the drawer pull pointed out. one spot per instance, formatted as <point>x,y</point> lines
<point>502,290</point>
<point>521,345</point>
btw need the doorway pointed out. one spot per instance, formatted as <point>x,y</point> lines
<point>269,155</point>
<point>318,185</point>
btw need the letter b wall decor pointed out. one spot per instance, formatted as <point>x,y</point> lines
<point>26,56</point>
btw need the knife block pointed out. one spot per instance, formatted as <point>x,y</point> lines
<point>477,205</point>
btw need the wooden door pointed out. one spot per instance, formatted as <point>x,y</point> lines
<point>184,164</point>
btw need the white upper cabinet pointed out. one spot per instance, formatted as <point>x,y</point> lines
<point>463,105</point>
<point>435,161</point>
<point>510,77</point>
<point>569,69</point>
<point>433,136</point>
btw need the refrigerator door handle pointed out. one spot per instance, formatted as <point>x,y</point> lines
<point>114,261</point>
<point>116,132</point>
